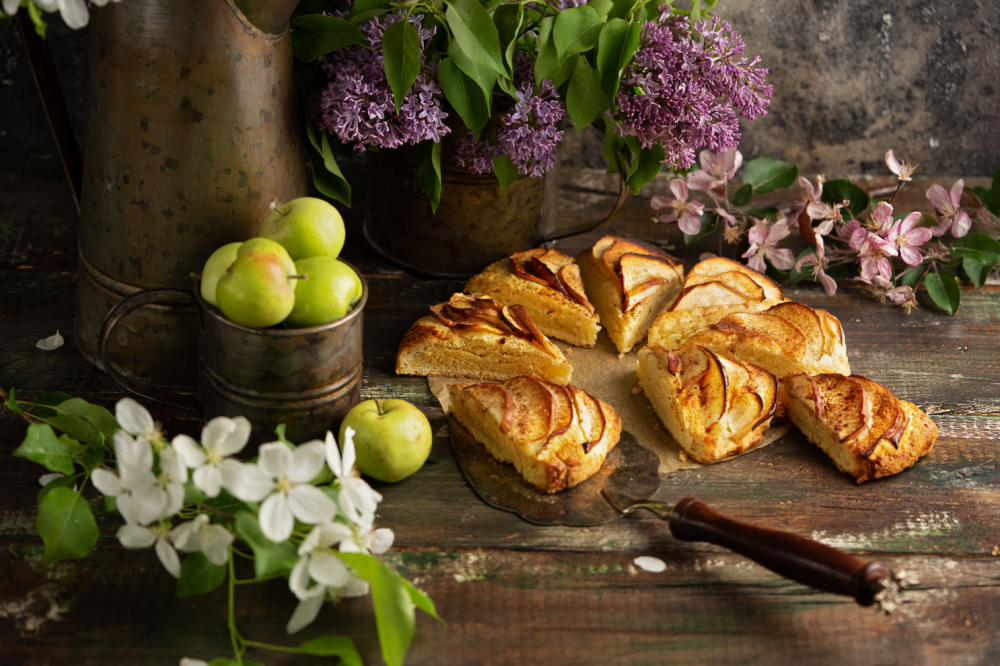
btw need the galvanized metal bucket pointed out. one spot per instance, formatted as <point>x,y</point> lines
<point>193,128</point>
<point>306,378</point>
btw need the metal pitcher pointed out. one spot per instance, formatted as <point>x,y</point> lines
<point>193,128</point>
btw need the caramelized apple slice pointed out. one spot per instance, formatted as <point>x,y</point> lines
<point>598,251</point>
<point>745,411</point>
<point>735,280</point>
<point>553,259</point>
<point>708,294</point>
<point>718,265</point>
<point>713,385</point>
<point>807,321</point>
<point>532,413</point>
<point>514,323</point>
<point>884,409</point>
<point>539,338</point>
<point>641,272</point>
<point>561,414</point>
<point>521,267</point>
<point>845,407</point>
<point>589,416</point>
<point>497,400</point>
<point>551,280</point>
<point>765,327</point>
<point>569,275</point>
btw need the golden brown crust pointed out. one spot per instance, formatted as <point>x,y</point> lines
<point>787,338</point>
<point>629,282</point>
<point>866,430</point>
<point>556,302</point>
<point>477,337</point>
<point>715,407</point>
<point>556,436</point>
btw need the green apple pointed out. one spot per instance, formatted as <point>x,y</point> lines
<point>215,268</point>
<point>307,227</point>
<point>257,290</point>
<point>392,438</point>
<point>327,290</point>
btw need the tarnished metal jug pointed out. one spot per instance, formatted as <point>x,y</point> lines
<point>192,129</point>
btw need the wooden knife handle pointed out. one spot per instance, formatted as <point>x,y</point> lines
<point>803,560</point>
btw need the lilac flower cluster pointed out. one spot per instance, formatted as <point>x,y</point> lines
<point>527,132</point>
<point>683,93</point>
<point>356,104</point>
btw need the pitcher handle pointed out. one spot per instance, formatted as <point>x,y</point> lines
<point>624,192</point>
<point>114,317</point>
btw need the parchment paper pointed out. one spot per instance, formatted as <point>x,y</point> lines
<point>600,372</point>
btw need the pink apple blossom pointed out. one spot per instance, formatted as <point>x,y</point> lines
<point>873,253</point>
<point>716,169</point>
<point>949,206</point>
<point>902,170</point>
<point>764,245</point>
<point>908,239</point>
<point>686,213</point>
<point>817,260</point>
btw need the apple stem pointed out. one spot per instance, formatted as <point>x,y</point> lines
<point>378,406</point>
<point>274,203</point>
<point>304,276</point>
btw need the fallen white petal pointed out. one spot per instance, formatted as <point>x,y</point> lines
<point>52,342</point>
<point>305,613</point>
<point>651,564</point>
<point>46,479</point>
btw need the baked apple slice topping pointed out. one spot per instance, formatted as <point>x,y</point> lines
<point>464,312</point>
<point>713,387</point>
<point>553,269</point>
<point>709,294</point>
<point>589,416</point>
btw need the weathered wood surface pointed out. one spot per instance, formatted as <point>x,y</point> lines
<point>516,593</point>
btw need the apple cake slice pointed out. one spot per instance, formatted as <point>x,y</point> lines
<point>548,284</point>
<point>785,339</point>
<point>714,406</point>
<point>555,436</point>
<point>629,282</point>
<point>478,337</point>
<point>713,289</point>
<point>867,431</point>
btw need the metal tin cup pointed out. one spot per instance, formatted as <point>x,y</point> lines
<point>305,378</point>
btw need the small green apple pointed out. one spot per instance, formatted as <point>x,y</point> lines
<point>215,268</point>
<point>260,244</point>
<point>327,290</point>
<point>392,438</point>
<point>307,227</point>
<point>256,290</point>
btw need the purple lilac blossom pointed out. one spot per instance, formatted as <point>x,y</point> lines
<point>684,94</point>
<point>356,105</point>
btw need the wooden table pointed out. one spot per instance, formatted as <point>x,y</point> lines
<point>511,592</point>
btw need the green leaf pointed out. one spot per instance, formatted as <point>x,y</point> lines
<point>770,213</point>
<point>508,20</point>
<point>333,646</point>
<point>93,455</point>
<point>474,35</point>
<point>576,30</point>
<point>585,100</point>
<point>977,271</point>
<point>648,163</point>
<point>505,171</point>
<point>394,610</point>
<point>944,291</point>
<point>422,601</point>
<point>484,76</point>
<point>98,418</point>
<point>911,278</point>
<point>620,9</point>
<point>547,65</point>
<point>742,196</point>
<point>315,35</point>
<point>985,195</point>
<point>602,7</point>
<point>66,525</point>
<point>429,170</point>
<point>199,575</point>
<point>838,191</point>
<point>61,482</point>
<point>618,42</point>
<point>401,56</point>
<point>709,223</point>
<point>464,95</point>
<point>327,176</point>
<point>767,175</point>
<point>978,246</point>
<point>362,10</point>
<point>42,446</point>
<point>37,18</point>
<point>268,557</point>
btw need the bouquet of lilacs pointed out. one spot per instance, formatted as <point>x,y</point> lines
<point>657,81</point>
<point>848,234</point>
<point>301,512</point>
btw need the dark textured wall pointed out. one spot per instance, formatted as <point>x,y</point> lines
<point>851,79</point>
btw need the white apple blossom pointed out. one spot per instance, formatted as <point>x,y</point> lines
<point>10,6</point>
<point>317,562</point>
<point>134,486</point>
<point>357,499</point>
<point>52,342</point>
<point>136,420</point>
<point>367,540</point>
<point>137,536</point>
<point>221,437</point>
<point>200,535</point>
<point>188,661</point>
<point>280,480</point>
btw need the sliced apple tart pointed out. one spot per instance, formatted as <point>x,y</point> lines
<point>478,337</point>
<point>714,406</point>
<point>713,289</point>
<point>867,431</point>
<point>555,436</point>
<point>629,282</point>
<point>785,339</point>
<point>548,284</point>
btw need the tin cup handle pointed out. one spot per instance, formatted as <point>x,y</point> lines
<point>113,318</point>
